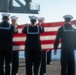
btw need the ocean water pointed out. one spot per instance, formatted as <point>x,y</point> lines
<point>54,57</point>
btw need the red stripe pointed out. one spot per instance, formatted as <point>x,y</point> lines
<point>43,34</point>
<point>47,42</point>
<point>21,26</point>
<point>45,25</point>
<point>52,24</point>
<point>42,42</point>
<point>49,33</point>
<point>18,43</point>
<point>19,35</point>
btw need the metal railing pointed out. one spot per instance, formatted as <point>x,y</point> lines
<point>34,6</point>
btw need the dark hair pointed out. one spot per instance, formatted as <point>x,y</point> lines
<point>67,19</point>
<point>33,21</point>
<point>5,18</point>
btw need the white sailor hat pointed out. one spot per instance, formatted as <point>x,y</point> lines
<point>33,17</point>
<point>41,18</point>
<point>68,16</point>
<point>5,14</point>
<point>14,17</point>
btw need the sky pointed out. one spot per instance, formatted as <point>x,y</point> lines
<point>51,10</point>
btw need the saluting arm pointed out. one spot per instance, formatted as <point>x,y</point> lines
<point>41,29</point>
<point>24,30</point>
<point>15,29</point>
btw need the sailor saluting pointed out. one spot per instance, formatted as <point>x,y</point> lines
<point>33,46</point>
<point>15,55</point>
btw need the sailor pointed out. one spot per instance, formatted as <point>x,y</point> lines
<point>15,57</point>
<point>67,34</point>
<point>6,33</point>
<point>43,65</point>
<point>33,46</point>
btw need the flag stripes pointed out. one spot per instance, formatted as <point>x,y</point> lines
<point>47,38</point>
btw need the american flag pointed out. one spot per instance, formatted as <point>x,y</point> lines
<point>47,38</point>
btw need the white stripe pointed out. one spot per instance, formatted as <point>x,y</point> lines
<point>49,46</point>
<point>45,46</point>
<point>17,39</point>
<point>20,30</point>
<point>45,28</point>
<point>47,37</point>
<point>51,28</point>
